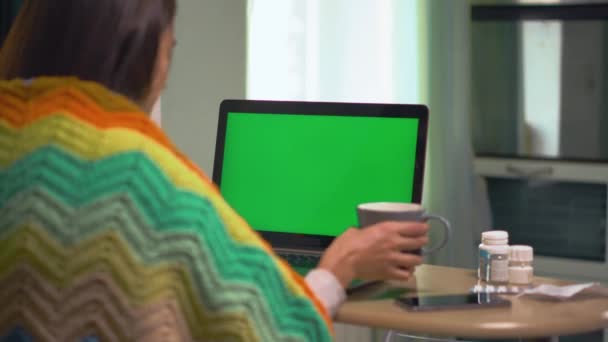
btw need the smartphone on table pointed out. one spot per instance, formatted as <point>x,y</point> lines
<point>452,302</point>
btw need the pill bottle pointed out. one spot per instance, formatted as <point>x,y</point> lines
<point>494,257</point>
<point>521,271</point>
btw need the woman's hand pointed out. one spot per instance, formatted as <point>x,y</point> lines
<point>376,252</point>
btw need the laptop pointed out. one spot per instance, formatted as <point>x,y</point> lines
<point>297,170</point>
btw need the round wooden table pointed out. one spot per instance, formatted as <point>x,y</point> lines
<point>528,317</point>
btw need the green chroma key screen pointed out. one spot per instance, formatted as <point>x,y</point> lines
<point>305,174</point>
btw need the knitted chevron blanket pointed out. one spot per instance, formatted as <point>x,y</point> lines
<point>108,233</point>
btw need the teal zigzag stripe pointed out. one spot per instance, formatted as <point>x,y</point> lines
<point>228,257</point>
<point>167,209</point>
<point>118,213</point>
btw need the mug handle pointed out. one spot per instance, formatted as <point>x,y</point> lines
<point>447,227</point>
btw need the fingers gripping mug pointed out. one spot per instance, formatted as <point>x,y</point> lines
<point>373,213</point>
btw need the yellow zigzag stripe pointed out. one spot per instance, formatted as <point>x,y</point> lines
<point>108,253</point>
<point>82,139</point>
<point>63,313</point>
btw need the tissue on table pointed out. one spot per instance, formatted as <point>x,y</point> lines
<point>560,292</point>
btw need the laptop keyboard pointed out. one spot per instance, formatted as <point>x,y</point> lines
<point>299,260</point>
<point>304,263</point>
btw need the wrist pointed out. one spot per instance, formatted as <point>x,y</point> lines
<point>342,268</point>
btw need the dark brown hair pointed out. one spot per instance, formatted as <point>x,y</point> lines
<point>112,42</point>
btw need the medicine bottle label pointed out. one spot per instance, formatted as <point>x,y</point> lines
<point>493,267</point>
<point>484,264</point>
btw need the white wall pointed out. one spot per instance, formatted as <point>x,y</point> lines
<point>208,66</point>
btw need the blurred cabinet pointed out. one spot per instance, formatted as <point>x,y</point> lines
<point>558,207</point>
<point>540,128</point>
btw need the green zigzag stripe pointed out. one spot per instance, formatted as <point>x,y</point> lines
<point>186,298</point>
<point>134,174</point>
<point>34,167</point>
<point>120,214</point>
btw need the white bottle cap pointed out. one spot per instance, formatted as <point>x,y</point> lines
<point>495,237</point>
<point>521,253</point>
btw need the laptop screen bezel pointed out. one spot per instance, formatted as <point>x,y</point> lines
<point>320,242</point>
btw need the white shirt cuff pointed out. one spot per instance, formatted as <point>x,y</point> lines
<point>327,288</point>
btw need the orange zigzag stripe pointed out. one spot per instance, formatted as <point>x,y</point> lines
<point>21,112</point>
<point>108,100</point>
